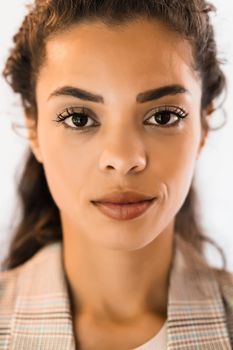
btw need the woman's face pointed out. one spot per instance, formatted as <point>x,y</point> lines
<point>125,145</point>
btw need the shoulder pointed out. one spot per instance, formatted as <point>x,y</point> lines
<point>11,281</point>
<point>8,292</point>
<point>27,281</point>
<point>8,286</point>
<point>207,280</point>
<point>225,282</point>
<point>23,280</point>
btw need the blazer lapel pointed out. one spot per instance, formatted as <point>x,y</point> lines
<point>42,317</point>
<point>196,314</point>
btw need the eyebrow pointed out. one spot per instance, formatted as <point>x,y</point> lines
<point>142,97</point>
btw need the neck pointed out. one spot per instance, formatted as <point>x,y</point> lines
<point>117,285</point>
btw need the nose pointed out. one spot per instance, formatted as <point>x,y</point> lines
<point>124,156</point>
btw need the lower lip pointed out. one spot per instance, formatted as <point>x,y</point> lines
<point>124,211</point>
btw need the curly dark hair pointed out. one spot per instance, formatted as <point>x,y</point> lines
<point>40,222</point>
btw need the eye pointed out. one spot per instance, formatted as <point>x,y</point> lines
<point>163,115</point>
<point>76,118</point>
<point>80,118</point>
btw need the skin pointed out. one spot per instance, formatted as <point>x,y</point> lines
<point>118,271</point>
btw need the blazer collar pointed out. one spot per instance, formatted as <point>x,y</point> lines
<point>42,316</point>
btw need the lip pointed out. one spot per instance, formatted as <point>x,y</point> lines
<point>123,197</point>
<point>124,211</point>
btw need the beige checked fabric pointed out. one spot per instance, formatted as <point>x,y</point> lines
<point>35,309</point>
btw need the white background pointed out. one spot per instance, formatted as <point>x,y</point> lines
<point>214,175</point>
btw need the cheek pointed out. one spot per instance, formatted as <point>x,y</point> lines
<point>67,170</point>
<point>178,159</point>
<point>174,165</point>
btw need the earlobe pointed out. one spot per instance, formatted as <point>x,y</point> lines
<point>33,137</point>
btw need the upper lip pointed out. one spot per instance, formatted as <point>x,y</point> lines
<point>123,197</point>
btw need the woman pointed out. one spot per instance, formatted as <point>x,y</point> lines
<point>109,253</point>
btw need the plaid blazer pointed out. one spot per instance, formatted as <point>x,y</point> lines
<point>35,308</point>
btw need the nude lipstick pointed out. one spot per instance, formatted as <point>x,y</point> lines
<point>124,205</point>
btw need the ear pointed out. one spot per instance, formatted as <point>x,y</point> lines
<point>31,125</point>
<point>204,125</point>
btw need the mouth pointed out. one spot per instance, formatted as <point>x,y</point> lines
<point>124,210</point>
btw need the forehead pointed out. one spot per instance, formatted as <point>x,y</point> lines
<point>137,53</point>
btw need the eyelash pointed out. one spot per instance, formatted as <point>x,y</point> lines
<point>70,112</point>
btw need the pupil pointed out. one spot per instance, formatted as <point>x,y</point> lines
<point>163,118</point>
<point>80,119</point>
